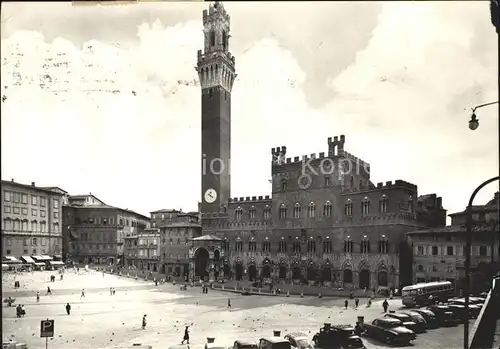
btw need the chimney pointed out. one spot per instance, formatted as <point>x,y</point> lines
<point>32,184</point>
<point>276,333</point>
<point>12,180</point>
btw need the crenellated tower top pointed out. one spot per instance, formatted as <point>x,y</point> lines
<point>216,64</point>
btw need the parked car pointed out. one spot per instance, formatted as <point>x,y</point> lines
<point>338,336</point>
<point>299,340</point>
<point>274,343</point>
<point>418,319</point>
<point>474,308</point>
<point>389,330</point>
<point>429,317</point>
<point>407,321</point>
<point>444,316</point>
<point>243,344</point>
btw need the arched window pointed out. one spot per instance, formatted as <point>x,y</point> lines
<point>252,212</point>
<point>282,246</point>
<point>365,245</point>
<point>410,204</point>
<point>296,245</point>
<point>311,210</point>
<point>365,206</point>
<point>327,245</point>
<point>252,245</point>
<point>296,210</point>
<point>383,204</point>
<point>383,245</point>
<point>238,214</point>
<point>348,245</point>
<point>311,245</point>
<point>267,212</point>
<point>266,245</point>
<point>212,38</point>
<point>348,208</point>
<point>282,211</point>
<point>327,209</point>
<point>238,245</point>
<point>284,185</point>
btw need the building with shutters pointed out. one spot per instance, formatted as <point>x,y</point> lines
<point>31,219</point>
<point>438,253</point>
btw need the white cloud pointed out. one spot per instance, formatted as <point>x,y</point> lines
<point>140,148</point>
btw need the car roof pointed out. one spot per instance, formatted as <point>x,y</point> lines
<point>343,327</point>
<point>275,340</point>
<point>388,319</point>
<point>398,314</point>
<point>297,335</point>
<point>245,342</point>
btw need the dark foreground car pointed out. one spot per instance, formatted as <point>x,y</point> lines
<point>407,321</point>
<point>338,336</point>
<point>389,330</point>
<point>474,307</point>
<point>429,317</point>
<point>418,319</point>
<point>444,315</point>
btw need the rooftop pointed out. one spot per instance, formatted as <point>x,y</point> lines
<point>50,190</point>
<point>458,228</point>
<point>207,238</point>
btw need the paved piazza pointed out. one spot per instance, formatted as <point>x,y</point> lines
<point>104,321</point>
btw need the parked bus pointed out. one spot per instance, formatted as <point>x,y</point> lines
<point>427,293</point>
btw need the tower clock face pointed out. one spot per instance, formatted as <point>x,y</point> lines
<point>210,195</point>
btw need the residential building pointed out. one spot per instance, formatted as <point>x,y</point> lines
<point>325,220</point>
<point>95,231</point>
<point>177,229</point>
<point>31,219</point>
<point>438,253</point>
<point>143,250</point>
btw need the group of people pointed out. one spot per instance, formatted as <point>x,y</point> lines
<point>20,311</point>
<point>385,304</point>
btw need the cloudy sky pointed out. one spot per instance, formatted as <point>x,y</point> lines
<point>102,99</point>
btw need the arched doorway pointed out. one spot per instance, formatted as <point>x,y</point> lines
<point>382,278</point>
<point>347,277</point>
<point>296,273</point>
<point>201,263</point>
<point>238,270</point>
<point>252,272</point>
<point>364,279</point>
<point>282,272</point>
<point>227,271</point>
<point>266,271</point>
<point>216,255</point>
<point>311,273</point>
<point>326,274</point>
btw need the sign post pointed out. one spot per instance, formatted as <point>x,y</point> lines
<point>46,331</point>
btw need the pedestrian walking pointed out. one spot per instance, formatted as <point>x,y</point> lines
<point>369,304</point>
<point>49,291</point>
<point>356,303</point>
<point>83,293</point>
<point>346,303</point>
<point>144,323</point>
<point>229,302</point>
<point>385,305</point>
<point>114,291</point>
<point>68,308</point>
<point>186,335</point>
<point>37,296</point>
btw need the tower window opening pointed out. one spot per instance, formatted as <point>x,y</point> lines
<point>224,40</point>
<point>212,38</point>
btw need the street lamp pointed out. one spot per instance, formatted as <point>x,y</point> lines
<point>468,244</point>
<point>474,121</point>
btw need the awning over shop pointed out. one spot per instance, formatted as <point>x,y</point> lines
<point>57,257</point>
<point>28,259</point>
<point>39,264</point>
<point>56,263</point>
<point>5,266</point>
<point>11,260</point>
<point>45,258</point>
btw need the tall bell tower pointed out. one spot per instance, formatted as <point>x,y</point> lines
<point>217,74</point>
